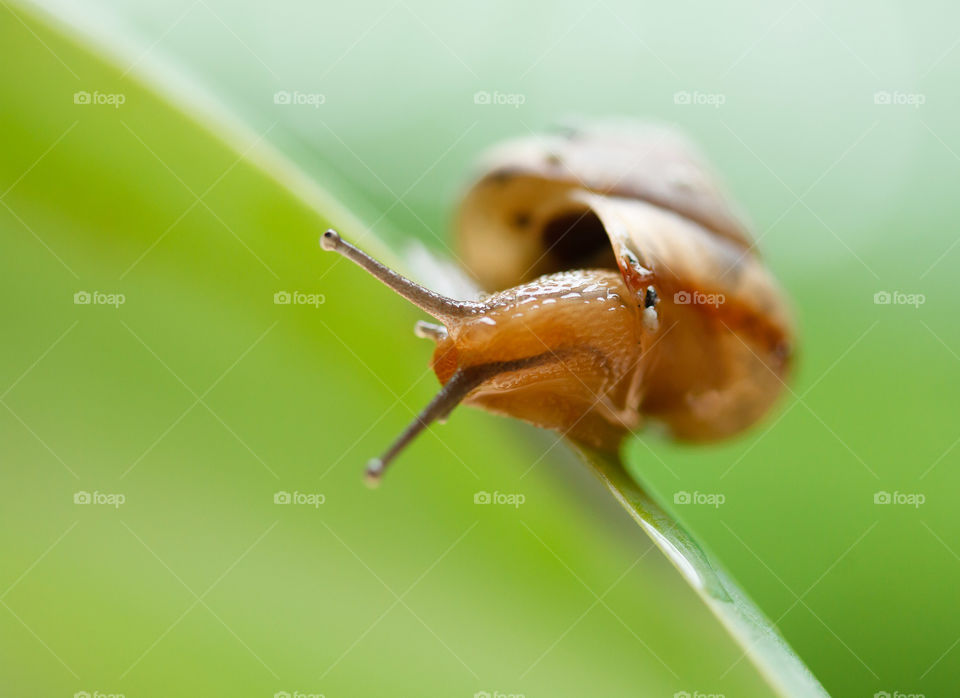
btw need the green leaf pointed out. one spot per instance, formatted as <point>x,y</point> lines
<point>748,625</point>
<point>198,398</point>
<point>872,409</point>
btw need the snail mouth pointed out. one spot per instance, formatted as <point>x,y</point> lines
<point>575,239</point>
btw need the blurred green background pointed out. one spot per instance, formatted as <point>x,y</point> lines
<point>197,399</point>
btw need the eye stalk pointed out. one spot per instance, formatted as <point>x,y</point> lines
<point>443,308</point>
<point>438,306</point>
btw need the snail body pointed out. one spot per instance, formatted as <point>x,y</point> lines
<point>623,291</point>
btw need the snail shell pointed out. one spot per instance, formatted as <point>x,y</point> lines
<point>624,292</point>
<point>639,200</point>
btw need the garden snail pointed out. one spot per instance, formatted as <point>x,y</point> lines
<point>624,291</point>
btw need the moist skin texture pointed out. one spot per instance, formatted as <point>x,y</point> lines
<point>568,351</point>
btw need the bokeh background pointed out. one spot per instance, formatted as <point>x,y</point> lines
<point>198,398</point>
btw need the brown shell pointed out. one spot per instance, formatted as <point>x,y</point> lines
<point>638,199</point>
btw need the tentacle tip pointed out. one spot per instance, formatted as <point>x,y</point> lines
<point>330,240</point>
<point>373,473</point>
<point>429,330</point>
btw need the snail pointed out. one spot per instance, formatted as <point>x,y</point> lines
<point>623,292</point>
